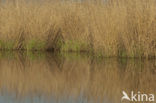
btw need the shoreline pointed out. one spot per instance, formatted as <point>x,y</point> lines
<point>117,29</point>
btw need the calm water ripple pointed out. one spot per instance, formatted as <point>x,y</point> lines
<point>72,78</point>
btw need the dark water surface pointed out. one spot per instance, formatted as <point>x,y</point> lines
<point>72,78</point>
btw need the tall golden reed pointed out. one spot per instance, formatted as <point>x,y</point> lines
<point>124,28</point>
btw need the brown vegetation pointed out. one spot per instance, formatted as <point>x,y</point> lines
<point>116,28</point>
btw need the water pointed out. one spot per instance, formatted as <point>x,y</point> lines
<point>72,78</point>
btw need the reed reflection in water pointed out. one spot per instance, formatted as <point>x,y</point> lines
<point>72,78</point>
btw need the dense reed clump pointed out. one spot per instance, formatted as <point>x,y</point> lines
<point>112,28</point>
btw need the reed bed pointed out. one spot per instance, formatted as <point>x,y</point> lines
<point>119,28</point>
